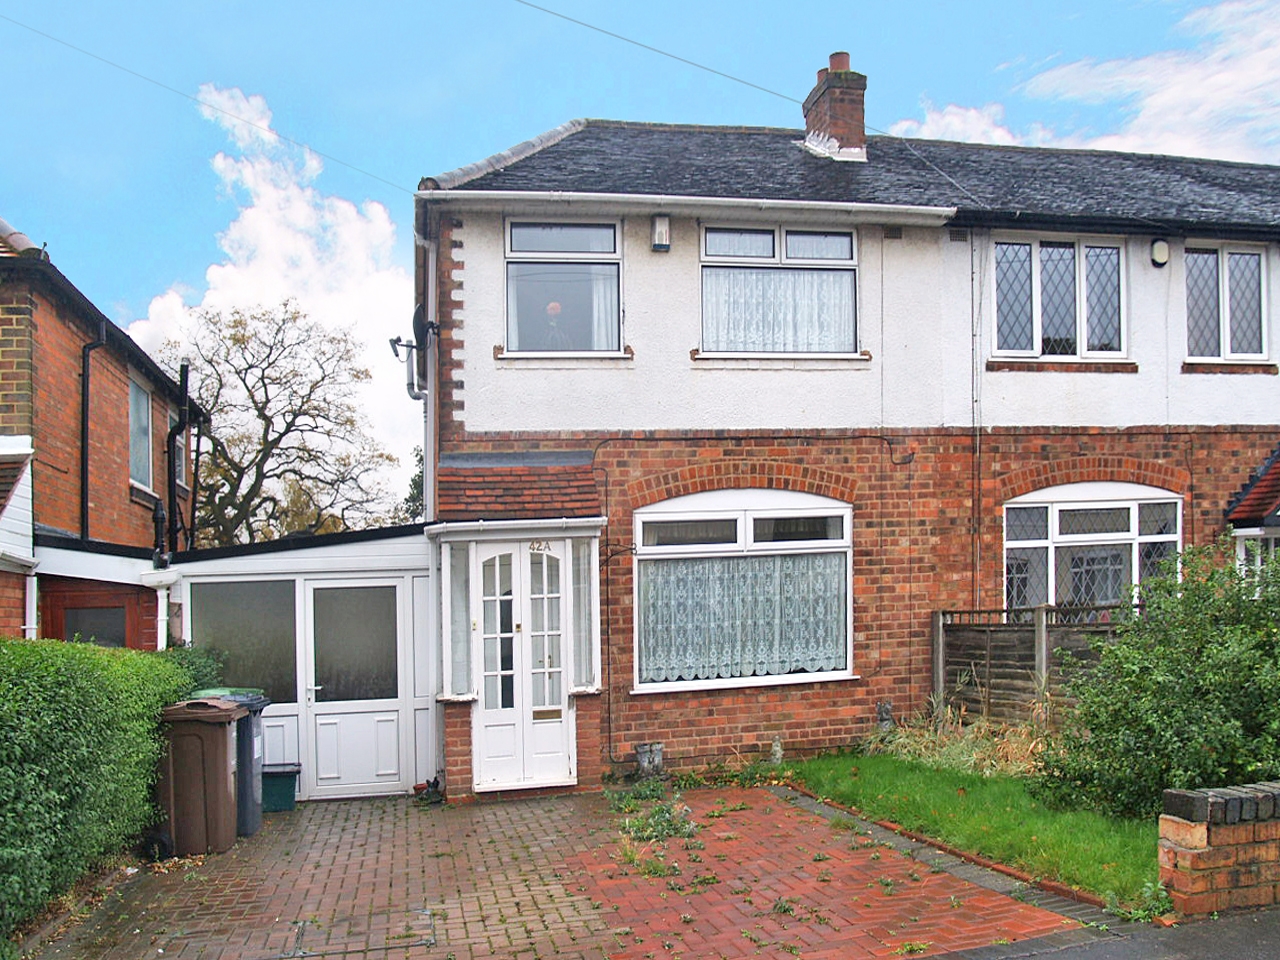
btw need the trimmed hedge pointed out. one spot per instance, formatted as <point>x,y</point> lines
<point>79,745</point>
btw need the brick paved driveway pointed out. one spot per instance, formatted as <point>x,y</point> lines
<point>549,877</point>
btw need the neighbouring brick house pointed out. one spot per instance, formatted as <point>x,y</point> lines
<point>720,416</point>
<point>93,494</point>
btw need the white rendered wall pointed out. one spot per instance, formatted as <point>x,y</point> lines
<point>925,317</point>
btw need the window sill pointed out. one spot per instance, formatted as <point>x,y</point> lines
<point>143,495</point>
<point>1228,366</point>
<point>1036,365</point>
<point>780,361</point>
<point>545,359</point>
<point>457,697</point>
<point>740,683</point>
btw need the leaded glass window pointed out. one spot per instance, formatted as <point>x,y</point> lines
<point>1224,303</point>
<point>1058,298</point>
<point>1087,545</point>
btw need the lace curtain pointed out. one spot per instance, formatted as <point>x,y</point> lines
<point>773,310</point>
<point>711,618</point>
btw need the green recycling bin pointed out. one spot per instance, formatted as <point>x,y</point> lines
<point>248,753</point>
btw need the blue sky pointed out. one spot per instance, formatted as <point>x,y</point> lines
<point>151,205</point>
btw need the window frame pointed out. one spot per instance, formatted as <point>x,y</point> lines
<point>1088,496</point>
<point>144,391</point>
<point>1082,243</point>
<point>778,261</point>
<point>1224,251</point>
<point>179,450</point>
<point>744,505</point>
<point>512,256</point>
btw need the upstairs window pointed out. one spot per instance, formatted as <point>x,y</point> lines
<point>562,288</point>
<point>1058,298</point>
<point>1088,544</point>
<point>770,290</point>
<point>139,434</point>
<point>1224,303</point>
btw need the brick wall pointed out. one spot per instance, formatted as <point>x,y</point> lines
<point>13,604</point>
<point>927,535</point>
<point>16,400</point>
<point>1220,849</point>
<point>118,512</point>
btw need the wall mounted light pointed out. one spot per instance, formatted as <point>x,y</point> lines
<point>1159,252</point>
<point>661,232</point>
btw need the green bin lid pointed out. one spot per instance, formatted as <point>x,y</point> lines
<point>229,691</point>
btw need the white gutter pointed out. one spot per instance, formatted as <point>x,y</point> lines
<point>496,529</point>
<point>904,214</point>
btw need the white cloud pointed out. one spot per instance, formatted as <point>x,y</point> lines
<point>952,122</point>
<point>289,239</point>
<point>247,119</point>
<point>1215,100</point>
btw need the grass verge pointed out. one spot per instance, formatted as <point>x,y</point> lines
<point>994,817</point>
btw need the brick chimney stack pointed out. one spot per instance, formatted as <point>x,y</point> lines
<point>834,124</point>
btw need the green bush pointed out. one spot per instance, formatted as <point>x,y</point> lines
<point>77,761</point>
<point>203,665</point>
<point>1187,694</point>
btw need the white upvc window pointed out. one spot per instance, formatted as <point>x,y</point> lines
<point>563,287</point>
<point>1255,547</point>
<point>740,588</point>
<point>1226,302</point>
<point>1059,298</point>
<point>179,450</point>
<point>778,290</point>
<point>1087,544</point>
<point>139,434</point>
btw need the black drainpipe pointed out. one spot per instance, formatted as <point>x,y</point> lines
<point>87,349</point>
<point>170,449</point>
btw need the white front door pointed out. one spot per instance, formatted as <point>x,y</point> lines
<point>355,689</point>
<point>524,724</point>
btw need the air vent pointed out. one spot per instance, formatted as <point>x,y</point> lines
<point>959,236</point>
<point>893,233</point>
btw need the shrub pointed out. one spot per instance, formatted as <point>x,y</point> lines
<point>1187,694</point>
<point>203,665</point>
<point>77,761</point>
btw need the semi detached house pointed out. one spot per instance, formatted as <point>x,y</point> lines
<point>718,417</point>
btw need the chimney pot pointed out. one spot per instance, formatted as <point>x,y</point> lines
<point>839,62</point>
<point>822,75</point>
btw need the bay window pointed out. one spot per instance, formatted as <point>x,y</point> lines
<point>742,587</point>
<point>1087,544</point>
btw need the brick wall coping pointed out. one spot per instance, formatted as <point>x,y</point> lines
<point>1238,804</point>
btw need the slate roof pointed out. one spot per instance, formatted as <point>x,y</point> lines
<point>1259,499</point>
<point>988,185</point>
<point>516,487</point>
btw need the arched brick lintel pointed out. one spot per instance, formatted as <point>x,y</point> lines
<point>734,474</point>
<point>1093,469</point>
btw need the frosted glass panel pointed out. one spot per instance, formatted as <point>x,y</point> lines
<point>355,643</point>
<point>253,623</point>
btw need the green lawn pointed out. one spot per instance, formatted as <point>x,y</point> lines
<point>994,816</point>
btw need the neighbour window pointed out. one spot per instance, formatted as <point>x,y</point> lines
<point>742,587</point>
<point>179,450</point>
<point>562,288</point>
<point>1224,303</point>
<point>778,291</point>
<point>1058,298</point>
<point>139,434</point>
<point>1085,545</point>
<point>1255,548</point>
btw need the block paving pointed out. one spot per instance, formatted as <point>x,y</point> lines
<point>768,874</point>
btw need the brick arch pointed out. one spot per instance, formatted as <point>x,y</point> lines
<point>1085,469</point>
<point>735,474</point>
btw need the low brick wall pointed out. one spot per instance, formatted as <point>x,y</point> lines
<point>1220,848</point>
